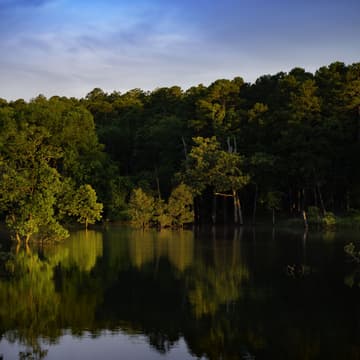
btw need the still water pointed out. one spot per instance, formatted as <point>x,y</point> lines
<point>209,294</point>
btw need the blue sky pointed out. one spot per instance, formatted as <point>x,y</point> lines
<point>68,47</point>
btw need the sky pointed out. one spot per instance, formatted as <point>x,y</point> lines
<point>69,47</point>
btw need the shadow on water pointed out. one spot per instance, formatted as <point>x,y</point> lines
<point>229,293</point>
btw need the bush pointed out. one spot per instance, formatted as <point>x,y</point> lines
<point>329,219</point>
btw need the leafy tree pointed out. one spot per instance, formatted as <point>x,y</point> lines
<point>272,201</point>
<point>180,206</point>
<point>222,171</point>
<point>29,184</point>
<point>161,216</point>
<point>85,206</point>
<point>141,208</point>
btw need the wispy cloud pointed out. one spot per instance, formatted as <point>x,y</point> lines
<point>67,47</point>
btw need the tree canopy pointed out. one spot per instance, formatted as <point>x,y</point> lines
<point>286,142</point>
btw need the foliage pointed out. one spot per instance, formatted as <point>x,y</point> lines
<point>210,166</point>
<point>161,217</point>
<point>42,150</point>
<point>180,206</point>
<point>329,219</point>
<point>141,208</point>
<point>29,184</point>
<point>84,206</point>
<point>146,211</point>
<point>314,217</point>
<point>354,254</point>
<point>351,250</point>
<point>294,133</point>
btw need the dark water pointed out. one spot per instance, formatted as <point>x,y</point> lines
<point>224,294</point>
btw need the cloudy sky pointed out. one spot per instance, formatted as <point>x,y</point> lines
<point>68,47</point>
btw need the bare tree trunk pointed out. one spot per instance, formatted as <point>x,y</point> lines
<point>236,219</point>
<point>305,220</point>
<point>303,203</point>
<point>273,216</point>
<point>185,148</point>
<point>157,183</point>
<point>213,215</point>
<point>241,220</point>
<point>230,149</point>
<point>255,204</point>
<point>197,210</point>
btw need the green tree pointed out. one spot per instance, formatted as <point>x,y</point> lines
<point>141,208</point>
<point>29,183</point>
<point>222,171</point>
<point>181,206</point>
<point>161,214</point>
<point>85,206</point>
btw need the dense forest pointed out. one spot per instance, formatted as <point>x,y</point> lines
<point>229,152</point>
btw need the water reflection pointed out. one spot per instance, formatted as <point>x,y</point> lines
<point>223,291</point>
<point>177,247</point>
<point>29,303</point>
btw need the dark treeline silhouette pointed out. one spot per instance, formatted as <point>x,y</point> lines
<point>286,143</point>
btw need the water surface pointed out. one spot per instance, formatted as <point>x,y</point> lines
<point>209,294</point>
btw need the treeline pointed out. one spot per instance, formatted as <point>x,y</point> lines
<point>285,143</point>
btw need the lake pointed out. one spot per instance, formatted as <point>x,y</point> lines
<point>217,293</point>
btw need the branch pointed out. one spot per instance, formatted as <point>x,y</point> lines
<point>225,195</point>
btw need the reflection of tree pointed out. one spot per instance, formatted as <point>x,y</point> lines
<point>218,283</point>
<point>28,303</point>
<point>166,285</point>
<point>41,296</point>
<point>81,250</point>
<point>149,246</point>
<point>84,249</point>
<point>211,287</point>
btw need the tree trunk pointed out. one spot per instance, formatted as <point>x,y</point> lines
<point>236,219</point>
<point>86,224</point>
<point>303,203</point>
<point>213,215</point>
<point>185,149</point>
<point>273,216</point>
<point>305,219</point>
<point>255,204</point>
<point>197,210</point>
<point>241,220</point>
